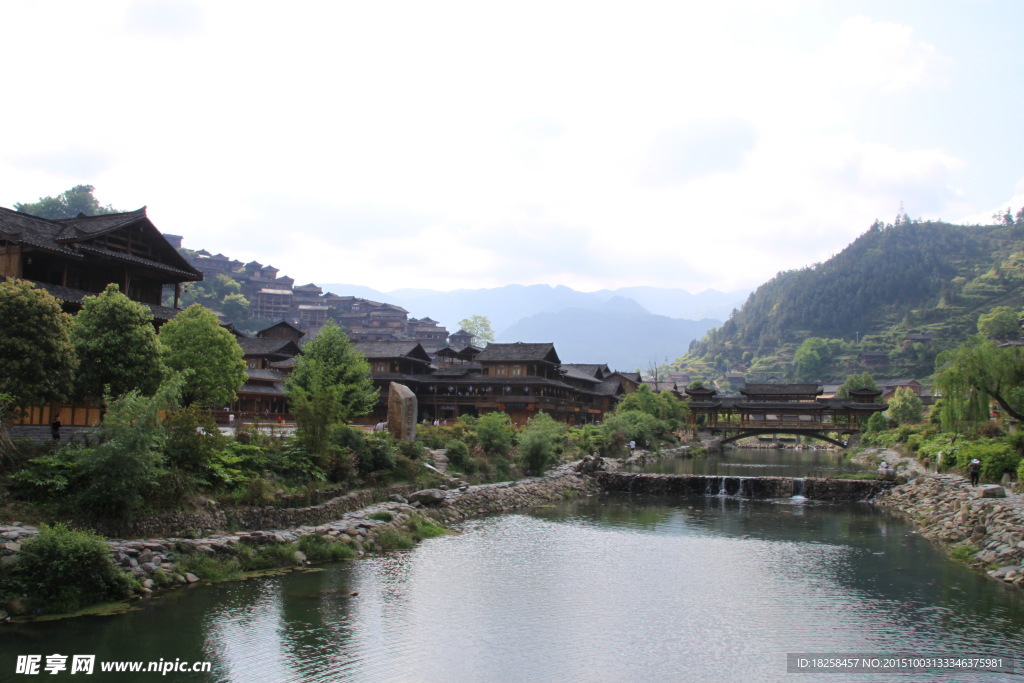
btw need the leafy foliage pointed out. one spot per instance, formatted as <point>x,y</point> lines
<point>35,345</point>
<point>976,372</point>
<point>67,204</point>
<point>495,432</point>
<point>1001,323</point>
<point>196,346</point>
<point>542,438</point>
<point>121,472</point>
<point>480,327</point>
<point>330,385</point>
<point>63,570</point>
<point>116,345</point>
<point>905,407</point>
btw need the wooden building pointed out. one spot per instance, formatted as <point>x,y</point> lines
<point>73,258</point>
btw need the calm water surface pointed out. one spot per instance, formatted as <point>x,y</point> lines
<point>759,462</point>
<point>610,588</point>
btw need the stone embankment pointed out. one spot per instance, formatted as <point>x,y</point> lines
<point>985,521</point>
<point>155,561</point>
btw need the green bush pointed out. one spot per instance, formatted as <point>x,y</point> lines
<point>539,442</point>
<point>494,433</point>
<point>621,427</point>
<point>391,539</point>
<point>319,548</point>
<point>63,570</point>
<point>382,516</point>
<point>211,568</point>
<point>996,456</point>
<point>47,478</point>
<point>458,454</point>
<point>192,439</point>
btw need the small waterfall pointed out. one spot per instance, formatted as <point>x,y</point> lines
<point>721,487</point>
<point>708,491</point>
<point>798,488</point>
<point>742,491</point>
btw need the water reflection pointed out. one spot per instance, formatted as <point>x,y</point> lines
<point>758,462</point>
<point>611,588</point>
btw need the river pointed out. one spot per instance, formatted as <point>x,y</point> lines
<point>606,588</point>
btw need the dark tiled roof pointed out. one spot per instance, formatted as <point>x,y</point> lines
<point>392,349</point>
<point>264,375</point>
<point>268,346</point>
<point>519,351</point>
<point>264,389</point>
<point>574,373</point>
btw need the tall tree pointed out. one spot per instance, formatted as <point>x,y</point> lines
<point>905,407</point>
<point>116,345</point>
<point>1001,323</point>
<point>977,372</point>
<point>194,344</point>
<point>68,204</point>
<point>38,358</point>
<point>858,380</point>
<point>330,385</point>
<point>480,327</point>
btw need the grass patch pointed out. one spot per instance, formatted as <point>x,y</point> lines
<point>382,516</point>
<point>963,553</point>
<point>319,548</point>
<point>865,476</point>
<point>210,568</point>
<point>392,539</point>
<point>420,528</point>
<point>269,556</point>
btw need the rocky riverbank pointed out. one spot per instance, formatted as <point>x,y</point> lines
<point>160,562</point>
<point>983,526</point>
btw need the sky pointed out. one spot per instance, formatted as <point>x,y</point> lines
<point>448,145</point>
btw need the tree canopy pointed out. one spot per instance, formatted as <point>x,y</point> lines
<point>330,385</point>
<point>1001,323</point>
<point>195,344</point>
<point>68,204</point>
<point>858,380</point>
<point>978,371</point>
<point>480,327</point>
<point>116,345</point>
<point>38,356</point>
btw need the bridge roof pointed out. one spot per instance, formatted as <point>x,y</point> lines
<point>810,389</point>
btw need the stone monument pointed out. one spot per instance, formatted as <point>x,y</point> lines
<point>402,409</point>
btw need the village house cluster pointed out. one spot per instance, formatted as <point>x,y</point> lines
<point>276,297</point>
<point>76,258</point>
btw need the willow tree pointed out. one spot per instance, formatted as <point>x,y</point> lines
<point>976,373</point>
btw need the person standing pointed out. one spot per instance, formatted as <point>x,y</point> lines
<point>55,428</point>
<point>975,470</point>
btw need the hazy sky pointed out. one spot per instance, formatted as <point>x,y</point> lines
<point>474,144</point>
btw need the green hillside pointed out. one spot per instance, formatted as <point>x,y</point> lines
<point>908,291</point>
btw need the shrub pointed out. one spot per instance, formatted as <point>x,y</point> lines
<point>319,548</point>
<point>421,528</point>
<point>495,433</point>
<point>539,441</point>
<point>47,477</point>
<point>458,454</point>
<point>622,427</point>
<point>121,472</point>
<point>192,439</point>
<point>211,568</point>
<point>63,570</point>
<point>391,539</point>
<point>382,516</point>
<point>996,457</point>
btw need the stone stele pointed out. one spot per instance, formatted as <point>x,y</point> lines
<point>402,409</point>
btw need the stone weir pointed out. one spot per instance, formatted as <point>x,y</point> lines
<point>844,490</point>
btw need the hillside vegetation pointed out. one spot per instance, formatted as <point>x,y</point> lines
<point>908,290</point>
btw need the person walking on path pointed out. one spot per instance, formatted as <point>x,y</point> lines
<point>975,470</point>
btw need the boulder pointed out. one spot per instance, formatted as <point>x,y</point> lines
<point>428,496</point>
<point>992,491</point>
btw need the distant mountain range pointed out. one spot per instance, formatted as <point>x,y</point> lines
<point>626,328</point>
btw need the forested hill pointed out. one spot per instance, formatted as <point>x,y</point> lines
<point>909,290</point>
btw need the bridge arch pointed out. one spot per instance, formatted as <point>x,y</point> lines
<point>814,434</point>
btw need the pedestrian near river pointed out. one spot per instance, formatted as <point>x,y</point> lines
<point>975,470</point>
